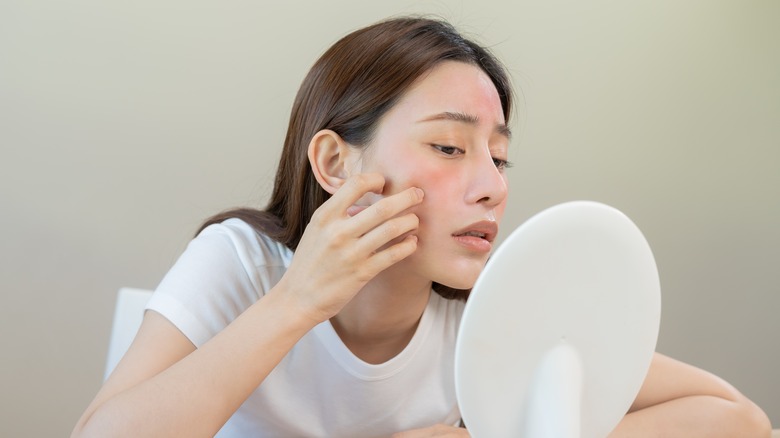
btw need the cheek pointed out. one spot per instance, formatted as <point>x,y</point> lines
<point>406,169</point>
<point>440,204</point>
<point>411,171</point>
<point>433,180</point>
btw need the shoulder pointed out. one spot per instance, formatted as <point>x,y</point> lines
<point>225,269</point>
<point>253,248</point>
<point>234,248</point>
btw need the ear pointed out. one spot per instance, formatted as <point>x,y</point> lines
<point>332,160</point>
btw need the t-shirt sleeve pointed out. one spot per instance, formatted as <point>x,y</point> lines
<point>222,272</point>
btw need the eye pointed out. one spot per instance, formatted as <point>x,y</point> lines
<point>501,164</point>
<point>447,150</point>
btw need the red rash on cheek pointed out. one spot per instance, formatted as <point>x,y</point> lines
<point>431,179</point>
<point>439,192</point>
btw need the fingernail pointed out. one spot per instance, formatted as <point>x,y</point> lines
<point>420,193</point>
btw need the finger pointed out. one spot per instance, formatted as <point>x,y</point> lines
<point>387,231</point>
<point>386,208</point>
<point>355,209</point>
<point>355,188</point>
<point>391,255</point>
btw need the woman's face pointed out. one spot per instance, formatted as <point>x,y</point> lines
<point>447,136</point>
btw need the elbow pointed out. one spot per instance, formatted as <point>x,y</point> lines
<point>86,431</point>
<point>754,420</point>
<point>80,431</point>
<point>761,423</point>
<point>85,428</point>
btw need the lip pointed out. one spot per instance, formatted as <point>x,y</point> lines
<point>488,228</point>
<point>476,243</point>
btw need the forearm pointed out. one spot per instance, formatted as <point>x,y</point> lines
<point>696,416</point>
<point>196,395</point>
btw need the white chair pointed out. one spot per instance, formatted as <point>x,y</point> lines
<point>128,314</point>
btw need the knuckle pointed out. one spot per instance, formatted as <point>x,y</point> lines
<point>381,210</point>
<point>392,229</point>
<point>361,180</point>
<point>317,218</point>
<point>338,235</point>
<point>391,256</point>
<point>407,223</point>
<point>347,255</point>
<point>364,275</point>
<point>397,253</point>
<point>365,182</point>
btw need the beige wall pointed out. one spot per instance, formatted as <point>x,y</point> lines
<point>122,125</point>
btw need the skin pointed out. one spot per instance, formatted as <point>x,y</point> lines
<point>453,146</point>
<point>366,262</point>
<point>460,167</point>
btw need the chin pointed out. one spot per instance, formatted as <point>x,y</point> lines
<point>465,280</point>
<point>457,272</point>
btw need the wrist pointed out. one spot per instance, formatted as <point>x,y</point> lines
<point>292,308</point>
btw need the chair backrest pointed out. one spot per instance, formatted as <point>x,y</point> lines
<point>128,314</point>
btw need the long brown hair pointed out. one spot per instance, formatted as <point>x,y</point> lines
<point>350,87</point>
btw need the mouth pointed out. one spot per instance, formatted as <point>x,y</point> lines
<point>481,233</point>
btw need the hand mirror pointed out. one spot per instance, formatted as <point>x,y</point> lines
<point>560,328</point>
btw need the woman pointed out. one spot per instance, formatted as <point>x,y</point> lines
<point>316,316</point>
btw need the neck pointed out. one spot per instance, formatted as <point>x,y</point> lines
<point>382,318</point>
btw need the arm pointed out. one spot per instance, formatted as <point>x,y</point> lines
<point>165,387</point>
<point>438,430</point>
<point>677,399</point>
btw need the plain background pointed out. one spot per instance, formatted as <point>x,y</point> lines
<point>124,124</point>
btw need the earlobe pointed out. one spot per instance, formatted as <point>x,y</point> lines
<point>331,159</point>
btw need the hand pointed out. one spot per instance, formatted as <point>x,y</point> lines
<point>438,430</point>
<point>344,247</point>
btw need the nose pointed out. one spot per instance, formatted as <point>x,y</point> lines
<point>488,184</point>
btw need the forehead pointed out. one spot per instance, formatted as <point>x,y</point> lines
<point>454,87</point>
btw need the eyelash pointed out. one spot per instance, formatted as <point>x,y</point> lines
<point>502,164</point>
<point>447,150</point>
<point>451,150</point>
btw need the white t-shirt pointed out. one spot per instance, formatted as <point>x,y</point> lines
<point>319,389</point>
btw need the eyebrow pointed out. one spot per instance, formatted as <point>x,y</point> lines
<point>468,119</point>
